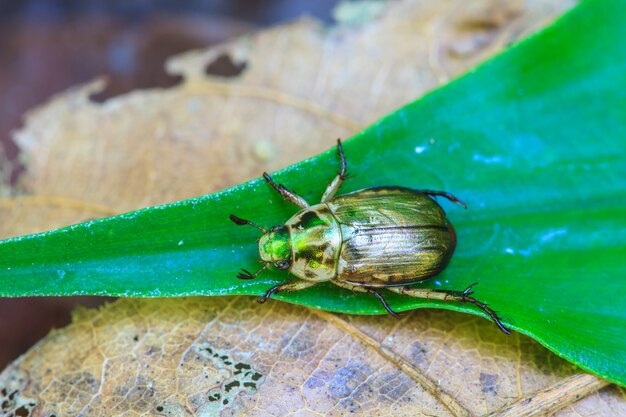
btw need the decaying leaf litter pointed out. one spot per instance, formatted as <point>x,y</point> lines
<point>128,355</point>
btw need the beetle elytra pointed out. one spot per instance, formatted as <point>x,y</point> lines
<point>382,237</point>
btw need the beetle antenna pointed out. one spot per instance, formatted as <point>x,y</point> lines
<point>241,222</point>
<point>245,274</point>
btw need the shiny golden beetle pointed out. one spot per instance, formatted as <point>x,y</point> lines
<point>383,237</point>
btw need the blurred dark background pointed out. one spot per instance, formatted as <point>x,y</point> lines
<point>49,46</point>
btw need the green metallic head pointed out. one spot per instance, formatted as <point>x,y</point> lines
<point>274,247</point>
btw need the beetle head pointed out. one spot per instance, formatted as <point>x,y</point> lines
<point>274,247</point>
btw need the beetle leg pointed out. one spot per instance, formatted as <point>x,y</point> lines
<point>286,193</point>
<point>335,184</point>
<point>368,290</point>
<point>447,295</point>
<point>382,300</point>
<point>444,194</point>
<point>286,287</point>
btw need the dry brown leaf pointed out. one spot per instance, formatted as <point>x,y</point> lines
<point>229,356</point>
<point>5,173</point>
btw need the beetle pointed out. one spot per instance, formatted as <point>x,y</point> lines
<point>382,237</point>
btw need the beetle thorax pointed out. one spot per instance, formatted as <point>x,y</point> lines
<point>315,239</point>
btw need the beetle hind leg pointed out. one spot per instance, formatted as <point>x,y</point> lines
<point>444,194</point>
<point>335,184</point>
<point>464,296</point>
<point>357,288</point>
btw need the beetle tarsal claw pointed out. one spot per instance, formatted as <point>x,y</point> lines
<point>463,295</point>
<point>468,290</point>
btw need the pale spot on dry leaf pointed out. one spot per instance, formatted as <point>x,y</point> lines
<point>302,87</point>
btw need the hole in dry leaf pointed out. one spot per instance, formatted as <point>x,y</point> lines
<point>11,167</point>
<point>231,385</point>
<point>244,379</point>
<point>116,87</point>
<point>22,412</point>
<point>224,66</point>
<point>14,403</point>
<point>136,61</point>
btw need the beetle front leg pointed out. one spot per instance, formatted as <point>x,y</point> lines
<point>368,290</point>
<point>286,193</point>
<point>286,287</point>
<point>447,295</point>
<point>335,184</point>
<point>445,195</point>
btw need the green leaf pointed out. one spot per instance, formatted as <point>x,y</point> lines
<point>533,140</point>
